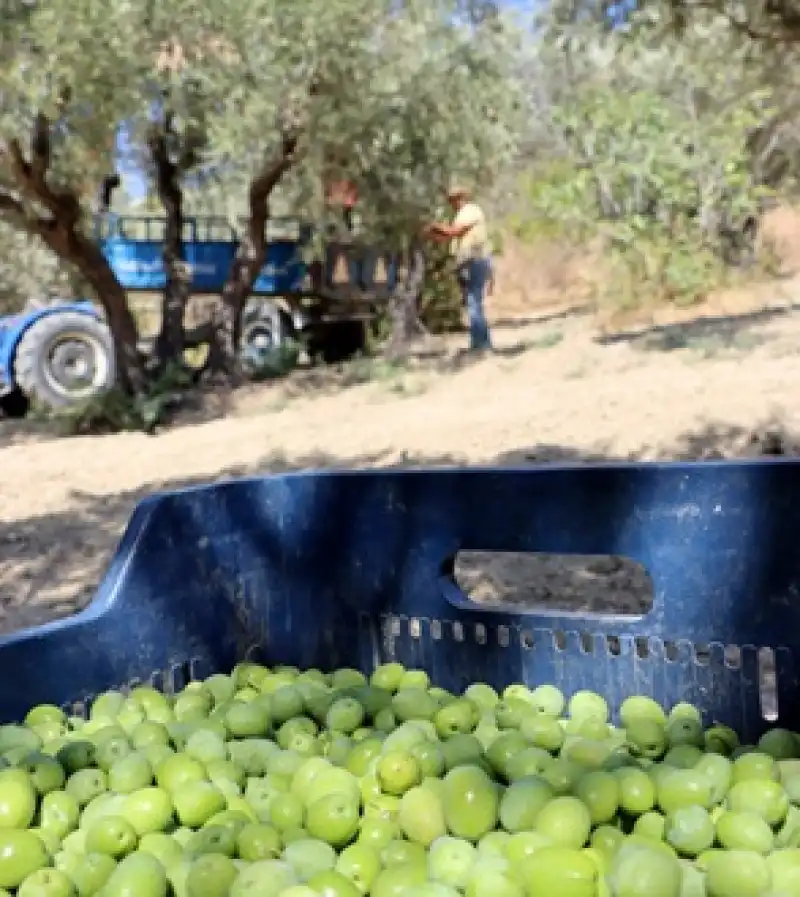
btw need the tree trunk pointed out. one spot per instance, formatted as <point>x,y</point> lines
<point>404,303</point>
<point>226,318</point>
<point>92,264</point>
<point>60,230</point>
<point>223,356</point>
<point>84,254</point>
<point>170,341</point>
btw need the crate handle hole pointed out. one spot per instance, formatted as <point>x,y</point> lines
<point>549,584</point>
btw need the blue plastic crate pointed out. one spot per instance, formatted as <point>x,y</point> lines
<point>353,569</point>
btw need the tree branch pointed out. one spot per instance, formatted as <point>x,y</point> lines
<point>107,188</point>
<point>166,170</point>
<point>265,182</point>
<point>269,177</point>
<point>31,177</point>
<point>789,22</point>
<point>19,164</point>
<point>189,155</point>
<point>190,145</point>
<point>12,209</point>
<point>11,205</point>
<point>40,148</point>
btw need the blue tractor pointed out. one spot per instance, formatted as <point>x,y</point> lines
<point>64,354</point>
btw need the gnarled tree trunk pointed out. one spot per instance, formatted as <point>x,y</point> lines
<point>226,319</point>
<point>92,264</point>
<point>404,302</point>
<point>60,230</point>
<point>170,341</point>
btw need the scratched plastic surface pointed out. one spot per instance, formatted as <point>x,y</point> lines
<point>335,569</point>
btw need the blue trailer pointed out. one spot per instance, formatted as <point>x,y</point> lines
<point>64,353</point>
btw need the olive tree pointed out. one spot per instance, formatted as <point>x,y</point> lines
<point>250,96</point>
<point>768,22</point>
<point>391,98</point>
<point>653,147</point>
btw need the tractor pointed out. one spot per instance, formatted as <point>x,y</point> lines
<point>63,354</point>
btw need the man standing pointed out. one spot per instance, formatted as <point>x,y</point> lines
<point>469,240</point>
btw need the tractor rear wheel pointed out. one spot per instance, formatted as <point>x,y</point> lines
<point>65,358</point>
<point>269,344</point>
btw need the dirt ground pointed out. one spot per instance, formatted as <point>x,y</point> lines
<point>554,390</point>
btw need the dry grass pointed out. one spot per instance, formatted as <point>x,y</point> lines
<point>549,275</point>
<point>552,276</point>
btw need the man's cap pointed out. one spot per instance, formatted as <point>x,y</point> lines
<point>458,188</point>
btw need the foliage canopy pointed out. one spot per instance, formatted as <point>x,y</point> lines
<point>228,104</point>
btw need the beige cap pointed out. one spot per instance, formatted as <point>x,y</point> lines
<point>458,188</point>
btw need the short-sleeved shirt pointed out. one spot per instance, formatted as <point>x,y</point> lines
<point>475,242</point>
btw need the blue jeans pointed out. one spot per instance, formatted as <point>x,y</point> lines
<point>474,277</point>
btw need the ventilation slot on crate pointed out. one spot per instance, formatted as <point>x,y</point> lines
<point>178,677</point>
<point>128,687</point>
<point>255,653</point>
<point>768,684</point>
<point>79,709</point>
<point>732,657</point>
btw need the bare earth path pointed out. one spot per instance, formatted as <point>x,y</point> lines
<point>552,392</point>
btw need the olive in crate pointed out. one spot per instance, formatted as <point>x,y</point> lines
<point>278,782</point>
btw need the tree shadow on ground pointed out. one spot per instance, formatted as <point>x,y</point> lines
<point>714,332</point>
<point>51,563</point>
<point>713,442</point>
<point>438,356</point>
<point>512,322</point>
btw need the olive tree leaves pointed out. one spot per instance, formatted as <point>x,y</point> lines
<point>654,141</point>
